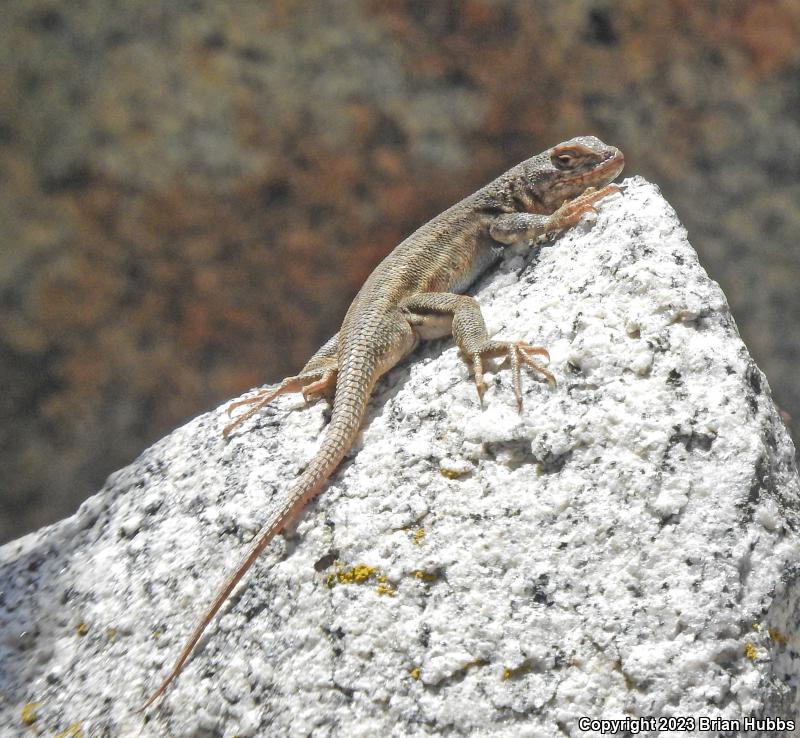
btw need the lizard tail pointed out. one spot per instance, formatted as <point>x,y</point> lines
<point>349,407</point>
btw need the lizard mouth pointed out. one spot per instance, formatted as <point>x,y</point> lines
<point>605,171</point>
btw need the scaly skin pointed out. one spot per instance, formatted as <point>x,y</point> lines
<point>413,295</point>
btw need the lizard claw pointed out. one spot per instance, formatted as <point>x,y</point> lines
<point>246,401</point>
<point>477,369</point>
<point>518,353</point>
<point>313,385</point>
<point>257,401</point>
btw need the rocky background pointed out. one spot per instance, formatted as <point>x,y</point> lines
<point>192,192</point>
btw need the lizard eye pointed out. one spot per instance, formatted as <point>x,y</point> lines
<point>565,159</point>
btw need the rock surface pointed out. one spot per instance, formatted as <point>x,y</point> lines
<point>626,546</point>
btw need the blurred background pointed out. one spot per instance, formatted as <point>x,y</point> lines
<point>191,192</point>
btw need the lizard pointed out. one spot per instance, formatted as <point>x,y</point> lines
<point>414,294</point>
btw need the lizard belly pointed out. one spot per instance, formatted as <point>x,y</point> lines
<point>434,326</point>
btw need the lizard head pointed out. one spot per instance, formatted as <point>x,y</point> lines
<point>566,170</point>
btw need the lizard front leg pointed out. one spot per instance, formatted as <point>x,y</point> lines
<point>315,380</point>
<point>515,228</point>
<point>434,314</point>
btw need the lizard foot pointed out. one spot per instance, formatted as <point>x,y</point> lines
<point>313,385</point>
<point>572,211</point>
<point>518,353</point>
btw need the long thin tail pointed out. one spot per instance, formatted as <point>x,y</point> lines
<point>340,434</point>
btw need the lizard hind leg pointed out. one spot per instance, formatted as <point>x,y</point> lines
<point>313,384</point>
<point>325,386</point>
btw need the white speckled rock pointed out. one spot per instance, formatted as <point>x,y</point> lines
<point>627,546</point>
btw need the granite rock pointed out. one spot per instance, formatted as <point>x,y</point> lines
<point>625,546</point>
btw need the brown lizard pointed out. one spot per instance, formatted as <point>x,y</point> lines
<point>413,295</point>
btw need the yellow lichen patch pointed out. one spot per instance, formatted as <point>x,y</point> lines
<point>82,629</point>
<point>750,651</point>
<point>425,576</point>
<point>513,673</point>
<point>357,574</point>
<point>74,731</point>
<point>419,534</point>
<point>451,473</point>
<point>385,587</point>
<point>29,713</point>
<point>415,672</point>
<point>111,634</point>
<point>780,638</point>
